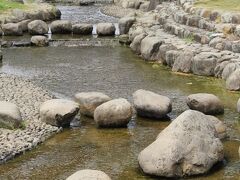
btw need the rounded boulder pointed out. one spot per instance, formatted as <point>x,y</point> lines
<point>37,27</point>
<point>88,174</point>
<point>205,103</point>
<point>114,113</point>
<point>10,115</point>
<point>89,101</point>
<point>58,112</point>
<point>151,105</point>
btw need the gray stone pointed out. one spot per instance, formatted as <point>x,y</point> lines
<point>171,56</point>
<point>151,105</point>
<point>88,174</point>
<point>58,112</point>
<point>114,113</point>
<point>136,43</point>
<point>205,103</point>
<point>39,41</point>
<point>125,24</point>
<point>149,47</point>
<point>237,30</point>
<point>204,63</point>
<point>229,69</point>
<point>183,62</point>
<point>84,29</point>
<point>24,25</point>
<point>10,116</point>
<point>12,29</point>
<point>188,146</point>
<point>89,101</point>
<point>37,27</point>
<point>163,49</point>
<point>220,127</point>
<point>106,29</point>
<point>61,27</point>
<point>233,81</point>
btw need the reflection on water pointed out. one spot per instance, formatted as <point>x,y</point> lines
<point>118,73</point>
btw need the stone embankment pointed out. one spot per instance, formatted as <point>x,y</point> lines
<point>185,42</point>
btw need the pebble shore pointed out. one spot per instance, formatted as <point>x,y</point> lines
<point>28,97</point>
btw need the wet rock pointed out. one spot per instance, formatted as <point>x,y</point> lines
<point>89,101</point>
<point>149,47</point>
<point>219,69</point>
<point>204,63</point>
<point>125,24</point>
<point>12,29</point>
<point>39,41</point>
<point>1,56</point>
<point>134,31</point>
<point>88,174</point>
<point>233,81</point>
<point>37,27</point>
<point>238,105</point>
<point>84,29</point>
<point>24,25</point>
<point>10,116</point>
<point>58,112</point>
<point>136,43</point>
<point>183,62</point>
<point>61,27</point>
<point>205,103</point>
<point>106,29</point>
<point>114,113</point>
<point>124,39</point>
<point>188,146</point>
<point>151,105</point>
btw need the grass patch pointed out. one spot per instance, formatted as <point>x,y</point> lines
<point>226,5</point>
<point>8,5</point>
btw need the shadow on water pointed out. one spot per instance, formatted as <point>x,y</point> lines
<point>117,72</point>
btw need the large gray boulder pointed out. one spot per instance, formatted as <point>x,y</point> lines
<point>233,81</point>
<point>88,174</point>
<point>12,29</point>
<point>61,27</point>
<point>149,47</point>
<point>84,29</point>
<point>114,113</point>
<point>188,146</point>
<point>238,105</point>
<point>204,63</point>
<point>39,41</point>
<point>205,103</point>
<point>136,43</point>
<point>106,29</point>
<point>151,105</point>
<point>89,101</point>
<point>125,24</point>
<point>10,116</point>
<point>183,62</point>
<point>37,27</point>
<point>58,112</point>
<point>229,69</point>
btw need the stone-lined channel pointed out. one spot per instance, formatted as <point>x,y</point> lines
<point>117,72</point>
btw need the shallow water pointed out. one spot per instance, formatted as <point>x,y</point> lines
<point>118,73</point>
<point>85,14</point>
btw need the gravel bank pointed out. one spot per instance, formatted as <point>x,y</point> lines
<point>28,98</point>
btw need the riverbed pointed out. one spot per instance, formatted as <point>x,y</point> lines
<point>116,71</point>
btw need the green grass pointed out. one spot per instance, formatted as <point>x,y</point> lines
<point>226,5</point>
<point>8,5</point>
